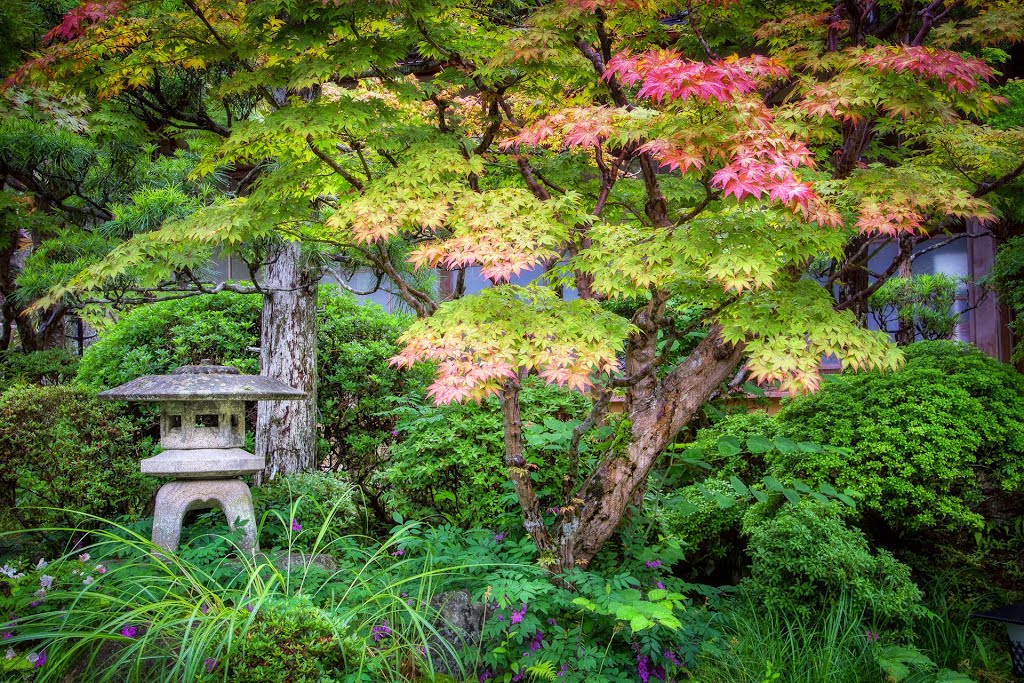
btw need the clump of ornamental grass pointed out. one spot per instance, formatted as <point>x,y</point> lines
<point>120,608</point>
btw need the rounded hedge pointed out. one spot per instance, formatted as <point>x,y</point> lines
<point>60,447</point>
<point>924,445</point>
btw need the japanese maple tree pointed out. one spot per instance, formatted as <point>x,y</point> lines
<point>698,173</point>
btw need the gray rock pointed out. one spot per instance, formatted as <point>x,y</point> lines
<point>296,561</point>
<point>459,621</point>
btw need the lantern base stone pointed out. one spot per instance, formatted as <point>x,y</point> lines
<point>176,498</point>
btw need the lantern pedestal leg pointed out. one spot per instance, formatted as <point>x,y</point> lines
<point>176,498</point>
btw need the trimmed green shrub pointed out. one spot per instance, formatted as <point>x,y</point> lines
<point>448,461</point>
<point>922,442</point>
<point>52,366</point>
<point>736,428</point>
<point>291,639</point>
<point>805,557</point>
<point>157,338</point>
<point>61,447</point>
<point>358,385</point>
<point>701,525</point>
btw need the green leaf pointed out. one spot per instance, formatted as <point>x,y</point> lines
<point>739,486</point>
<point>773,484</point>
<point>759,444</point>
<point>724,501</point>
<point>786,445</point>
<point>759,496</point>
<point>729,446</point>
<point>791,495</point>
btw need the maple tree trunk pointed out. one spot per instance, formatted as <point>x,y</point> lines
<point>657,410</point>
<point>286,430</point>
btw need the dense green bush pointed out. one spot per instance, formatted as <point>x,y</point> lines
<point>311,499</point>
<point>61,447</point>
<point>291,639</point>
<point>448,461</point>
<point>156,338</point>
<point>805,556</point>
<point>922,443</point>
<point>355,340</point>
<point>53,366</point>
<point>707,532</point>
<point>358,385</point>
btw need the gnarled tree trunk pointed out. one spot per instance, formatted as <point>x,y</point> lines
<point>286,430</point>
<point>658,409</point>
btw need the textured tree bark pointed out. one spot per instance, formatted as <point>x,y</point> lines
<point>658,410</point>
<point>512,422</point>
<point>286,430</point>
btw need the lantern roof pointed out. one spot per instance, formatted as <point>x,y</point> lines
<point>204,382</point>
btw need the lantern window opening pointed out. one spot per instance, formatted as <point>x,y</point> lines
<point>207,420</point>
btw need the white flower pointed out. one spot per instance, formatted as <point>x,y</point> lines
<point>9,571</point>
<point>10,653</point>
<point>88,580</point>
<point>45,581</point>
<point>41,564</point>
<point>84,557</point>
<point>32,657</point>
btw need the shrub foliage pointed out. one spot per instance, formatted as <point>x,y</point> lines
<point>61,447</point>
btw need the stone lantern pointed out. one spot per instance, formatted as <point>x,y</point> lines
<point>202,431</point>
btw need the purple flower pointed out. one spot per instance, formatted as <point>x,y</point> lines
<point>398,553</point>
<point>129,631</point>
<point>35,604</point>
<point>564,670</point>
<point>7,635</point>
<point>100,569</point>
<point>37,660</point>
<point>645,669</point>
<point>84,557</point>
<point>872,636</point>
<point>671,656</point>
<point>500,617</point>
<point>554,510</point>
<point>296,527</point>
<point>519,676</point>
<point>45,581</point>
<point>653,564</point>
<point>381,631</point>
<point>552,622</point>
<point>517,616</point>
<point>88,580</point>
<point>394,432</point>
<point>10,654</point>
<point>249,607</point>
<point>211,664</point>
<point>204,608</point>
<point>498,538</point>
<point>485,676</point>
<point>41,564</point>
<point>660,586</point>
<point>537,641</point>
